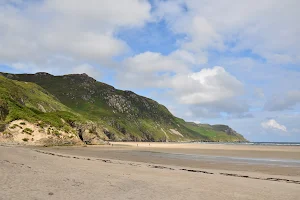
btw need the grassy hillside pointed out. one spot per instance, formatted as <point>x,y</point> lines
<point>123,114</point>
<point>28,101</point>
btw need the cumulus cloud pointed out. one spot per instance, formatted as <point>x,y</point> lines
<point>273,125</point>
<point>174,72</point>
<point>153,69</point>
<point>38,32</point>
<point>283,102</point>
<point>202,35</point>
<point>254,25</point>
<point>106,13</point>
<point>207,90</point>
<point>207,85</point>
<point>156,62</point>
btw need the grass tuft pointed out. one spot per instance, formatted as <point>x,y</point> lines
<point>28,131</point>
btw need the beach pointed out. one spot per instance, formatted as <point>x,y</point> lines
<point>150,171</point>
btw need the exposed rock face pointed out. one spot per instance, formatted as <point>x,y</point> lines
<point>90,138</point>
<point>54,141</point>
<point>173,131</point>
<point>119,103</point>
<point>42,74</point>
<point>110,135</point>
<point>91,133</point>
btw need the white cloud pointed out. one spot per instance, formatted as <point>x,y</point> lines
<point>206,86</point>
<point>202,35</point>
<point>213,88</point>
<point>37,32</point>
<point>155,62</point>
<point>256,25</point>
<point>174,72</point>
<point>272,124</point>
<point>152,69</point>
<point>283,102</point>
<point>85,45</point>
<point>105,13</point>
<point>178,61</point>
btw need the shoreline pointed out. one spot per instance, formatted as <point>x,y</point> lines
<point>212,146</point>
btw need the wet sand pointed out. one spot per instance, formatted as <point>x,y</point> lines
<point>271,160</point>
<point>130,172</point>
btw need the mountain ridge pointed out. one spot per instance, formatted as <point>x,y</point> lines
<point>124,115</point>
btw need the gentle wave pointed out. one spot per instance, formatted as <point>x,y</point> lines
<point>255,143</point>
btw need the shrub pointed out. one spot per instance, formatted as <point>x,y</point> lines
<point>66,129</point>
<point>56,132</point>
<point>25,139</point>
<point>41,124</point>
<point>14,126</point>
<point>6,133</point>
<point>22,123</point>
<point>27,131</point>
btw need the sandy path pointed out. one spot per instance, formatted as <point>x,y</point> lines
<point>28,174</point>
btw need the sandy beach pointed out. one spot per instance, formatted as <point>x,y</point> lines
<point>150,171</point>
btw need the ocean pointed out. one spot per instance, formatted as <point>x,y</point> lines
<point>256,143</point>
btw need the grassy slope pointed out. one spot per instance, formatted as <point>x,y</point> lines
<point>28,101</point>
<point>130,116</point>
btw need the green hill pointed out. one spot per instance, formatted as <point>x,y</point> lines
<point>28,101</point>
<point>119,115</point>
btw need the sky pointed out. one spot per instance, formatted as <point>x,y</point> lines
<point>219,62</point>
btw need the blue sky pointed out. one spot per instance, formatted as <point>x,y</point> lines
<point>234,63</point>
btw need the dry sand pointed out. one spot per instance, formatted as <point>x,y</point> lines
<point>86,173</point>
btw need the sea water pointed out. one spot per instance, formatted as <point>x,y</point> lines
<point>255,143</point>
<point>230,159</point>
<point>238,160</point>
